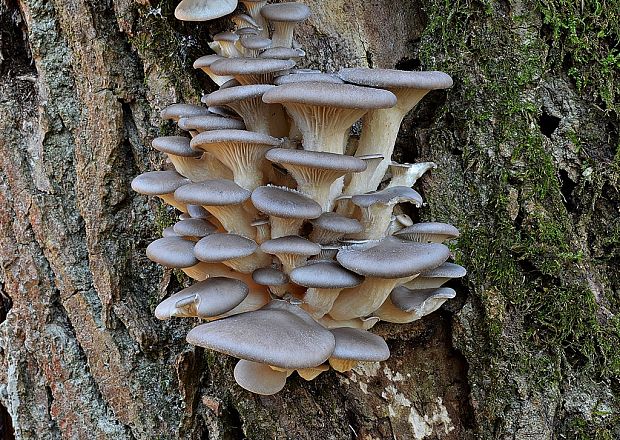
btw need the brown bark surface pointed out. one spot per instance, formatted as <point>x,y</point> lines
<point>527,148</point>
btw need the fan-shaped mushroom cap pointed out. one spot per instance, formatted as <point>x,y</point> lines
<point>291,250</point>
<point>390,78</point>
<point>251,70</point>
<point>307,77</point>
<point>355,345</point>
<point>259,378</point>
<point>194,227</point>
<point>209,122</point>
<point>176,111</point>
<point>155,183</point>
<point>221,247</point>
<point>325,275</point>
<point>218,192</point>
<point>197,211</point>
<point>393,258</point>
<point>434,232</point>
<point>434,278</point>
<point>268,276</point>
<point>388,196</point>
<point>282,53</point>
<point>204,10</point>
<point>172,252</point>
<point>176,145</point>
<point>242,21</point>
<point>323,112</point>
<point>279,334</point>
<point>205,299</point>
<point>284,17</point>
<point>254,43</point>
<point>406,174</point>
<point>409,300</point>
<point>286,208</point>
<point>330,226</point>
<point>204,63</point>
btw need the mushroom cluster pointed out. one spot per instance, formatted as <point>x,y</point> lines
<point>296,235</point>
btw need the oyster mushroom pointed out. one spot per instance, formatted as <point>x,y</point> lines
<point>204,10</point>
<point>405,305</point>
<point>235,251</point>
<point>251,70</point>
<point>292,250</point>
<point>355,345</point>
<point>162,184</point>
<point>284,18</point>
<point>204,63</point>
<point>432,232</point>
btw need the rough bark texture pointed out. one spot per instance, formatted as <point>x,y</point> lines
<point>527,147</point>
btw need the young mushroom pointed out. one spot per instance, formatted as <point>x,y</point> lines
<point>434,278</point>
<point>428,232</point>
<point>204,63</point>
<point>162,184</point>
<point>204,10</point>
<point>292,250</point>
<point>235,251</point>
<point>284,18</point>
<point>353,346</point>
<point>405,305</point>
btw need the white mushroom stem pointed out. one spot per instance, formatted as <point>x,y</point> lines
<point>281,227</point>
<point>169,199</point>
<point>234,218</point>
<point>200,169</point>
<point>376,220</point>
<point>263,232</point>
<point>364,299</point>
<point>379,132</point>
<point>262,117</point>
<point>318,302</point>
<point>361,323</point>
<point>323,128</point>
<point>407,175</point>
<point>283,33</point>
<point>250,263</point>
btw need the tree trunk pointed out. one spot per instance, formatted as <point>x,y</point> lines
<point>526,144</point>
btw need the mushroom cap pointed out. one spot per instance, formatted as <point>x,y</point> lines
<point>221,247</point>
<point>307,77</point>
<point>330,95</point>
<point>238,93</point>
<point>390,78</point>
<point>282,53</point>
<point>209,122</point>
<point>240,19</point>
<point>268,276</point>
<point>194,227</point>
<point>211,297</point>
<point>247,30</point>
<point>392,258</point>
<point>155,183</point>
<point>359,345</point>
<point>429,228</point>
<point>325,275</point>
<point>169,232</point>
<point>259,378</point>
<point>249,66</point>
<point>227,36</point>
<point>175,145</point>
<point>197,211</point>
<point>408,300</point>
<point>446,270</point>
<point>333,222</point>
<point>284,203</point>
<point>204,139</point>
<point>279,334</point>
<point>316,159</point>
<point>255,42</point>
<point>387,196</point>
<point>172,252</point>
<point>287,12</point>
<point>290,244</point>
<point>207,60</point>
<point>204,10</point>
<point>177,111</point>
<point>216,192</point>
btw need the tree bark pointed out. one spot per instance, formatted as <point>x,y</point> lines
<point>526,144</point>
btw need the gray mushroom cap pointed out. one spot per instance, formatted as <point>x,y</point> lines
<point>221,247</point>
<point>155,183</point>
<point>268,276</point>
<point>172,252</point>
<point>194,227</point>
<point>290,244</point>
<point>284,203</point>
<point>392,195</point>
<point>210,122</point>
<point>216,192</point>
<point>176,145</point>
<point>204,10</point>
<point>429,228</point>
<point>392,258</point>
<point>316,159</point>
<point>232,136</point>
<point>259,378</point>
<point>282,53</point>
<point>333,222</point>
<point>325,275</point>
<point>279,334</point>
<point>390,78</point>
<point>207,60</point>
<point>211,297</point>
<point>307,77</point>
<point>247,30</point>
<point>446,270</point>
<point>330,95</point>
<point>177,111</point>
<point>238,93</point>
<point>227,36</point>
<point>255,42</point>
<point>359,345</point>
<point>169,232</point>
<point>197,211</point>
<point>409,300</point>
<point>249,66</point>
<point>285,12</point>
